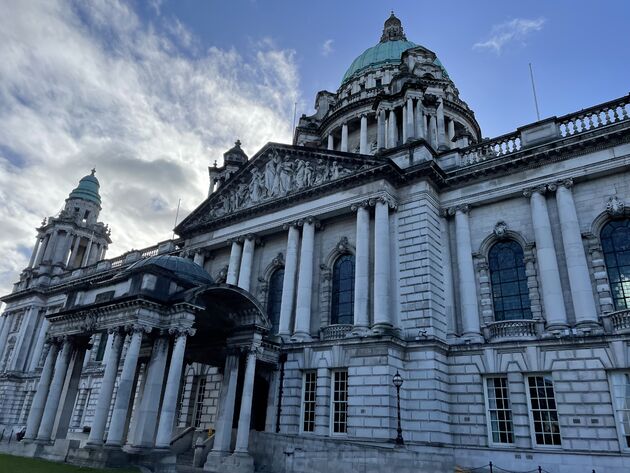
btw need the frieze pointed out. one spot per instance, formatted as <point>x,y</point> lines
<point>278,174</point>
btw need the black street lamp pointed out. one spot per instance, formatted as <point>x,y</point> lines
<point>398,382</point>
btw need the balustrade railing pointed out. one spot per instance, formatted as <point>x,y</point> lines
<point>620,321</point>
<point>501,146</point>
<point>598,116</point>
<point>336,332</point>
<point>512,329</point>
<point>594,117</point>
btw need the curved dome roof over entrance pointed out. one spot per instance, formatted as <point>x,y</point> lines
<point>181,267</point>
<point>388,51</point>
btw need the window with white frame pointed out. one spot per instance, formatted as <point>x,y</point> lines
<point>500,425</point>
<point>309,390</point>
<point>199,399</point>
<point>621,399</point>
<point>544,413</point>
<point>339,410</point>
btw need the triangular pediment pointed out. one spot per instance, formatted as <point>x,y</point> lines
<point>277,173</point>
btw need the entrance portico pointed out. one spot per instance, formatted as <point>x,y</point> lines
<point>150,341</point>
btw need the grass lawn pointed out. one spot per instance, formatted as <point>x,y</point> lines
<point>11,464</point>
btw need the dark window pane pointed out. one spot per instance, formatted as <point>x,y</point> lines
<point>342,303</point>
<point>510,294</point>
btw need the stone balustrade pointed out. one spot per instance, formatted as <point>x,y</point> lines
<point>336,332</point>
<point>617,322</point>
<point>500,146</point>
<point>511,329</point>
<point>554,128</point>
<point>594,117</point>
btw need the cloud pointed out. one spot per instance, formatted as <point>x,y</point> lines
<point>327,47</point>
<point>90,84</point>
<point>510,31</point>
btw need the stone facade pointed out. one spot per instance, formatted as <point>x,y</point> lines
<point>154,356</point>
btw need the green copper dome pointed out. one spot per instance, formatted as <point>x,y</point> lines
<point>387,52</point>
<point>87,189</point>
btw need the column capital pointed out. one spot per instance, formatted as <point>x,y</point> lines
<point>540,189</point>
<point>182,331</point>
<point>567,183</point>
<point>360,205</point>
<point>294,224</point>
<point>462,208</point>
<point>312,220</point>
<point>137,328</point>
<point>114,330</point>
<point>253,349</point>
<point>384,198</point>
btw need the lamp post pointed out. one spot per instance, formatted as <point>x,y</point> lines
<point>398,381</point>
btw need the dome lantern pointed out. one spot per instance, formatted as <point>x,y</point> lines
<point>393,30</point>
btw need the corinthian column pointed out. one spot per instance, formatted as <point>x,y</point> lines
<point>362,269</point>
<point>288,283</point>
<point>97,433</point>
<point>344,137</point>
<point>382,296</point>
<point>410,120</point>
<point>39,401</point>
<point>225,416</point>
<point>577,267</point>
<point>125,387</point>
<point>331,141</point>
<point>392,139</point>
<point>466,272</point>
<point>54,394</point>
<point>169,403</point>
<point>247,262</point>
<point>441,127</point>
<point>234,264</point>
<point>553,300</point>
<point>245,416</point>
<point>305,282</point>
<point>420,131</point>
<point>35,250</point>
<point>380,130</point>
<point>363,143</point>
<point>403,125</point>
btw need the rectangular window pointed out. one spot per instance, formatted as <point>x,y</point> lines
<point>500,424</point>
<point>339,411</point>
<point>621,399</point>
<point>199,399</point>
<point>544,413</point>
<point>308,401</point>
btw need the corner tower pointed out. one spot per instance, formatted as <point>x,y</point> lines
<point>74,238</point>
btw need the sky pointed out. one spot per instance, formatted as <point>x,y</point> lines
<point>151,92</point>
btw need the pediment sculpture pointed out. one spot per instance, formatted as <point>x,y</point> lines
<point>280,175</point>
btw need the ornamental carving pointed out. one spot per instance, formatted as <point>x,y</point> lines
<point>500,230</point>
<point>615,207</point>
<point>278,177</point>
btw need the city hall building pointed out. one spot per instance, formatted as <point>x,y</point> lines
<point>491,275</point>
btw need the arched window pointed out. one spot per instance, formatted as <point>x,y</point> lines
<point>510,295</point>
<point>274,299</point>
<point>615,238</point>
<point>342,308</point>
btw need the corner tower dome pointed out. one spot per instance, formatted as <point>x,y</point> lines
<point>388,51</point>
<point>87,189</point>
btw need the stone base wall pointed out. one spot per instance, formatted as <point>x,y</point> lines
<point>279,453</point>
